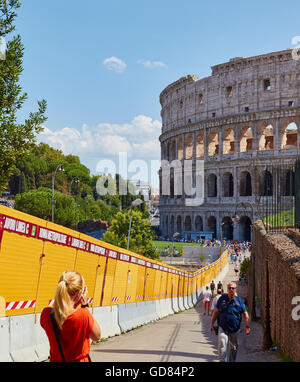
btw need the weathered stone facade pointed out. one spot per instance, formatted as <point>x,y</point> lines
<point>278,256</point>
<point>242,117</point>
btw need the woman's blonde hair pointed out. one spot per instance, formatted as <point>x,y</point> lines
<point>69,284</point>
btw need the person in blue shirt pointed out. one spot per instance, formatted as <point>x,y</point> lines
<point>229,312</point>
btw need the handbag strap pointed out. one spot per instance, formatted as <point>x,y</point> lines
<point>55,329</point>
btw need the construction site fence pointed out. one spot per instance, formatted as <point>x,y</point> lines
<point>125,289</point>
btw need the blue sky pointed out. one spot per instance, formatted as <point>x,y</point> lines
<point>101,65</point>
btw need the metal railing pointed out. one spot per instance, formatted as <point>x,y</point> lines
<point>279,202</point>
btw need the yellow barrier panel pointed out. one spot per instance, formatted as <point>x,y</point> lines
<point>131,285</point>
<point>34,253</point>
<point>149,285</point>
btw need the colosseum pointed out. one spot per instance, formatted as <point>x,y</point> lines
<point>237,121</point>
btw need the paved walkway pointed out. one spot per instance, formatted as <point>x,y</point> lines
<point>182,337</point>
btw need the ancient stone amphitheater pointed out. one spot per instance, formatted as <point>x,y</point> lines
<point>243,117</point>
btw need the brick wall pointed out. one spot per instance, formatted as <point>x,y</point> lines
<point>281,254</point>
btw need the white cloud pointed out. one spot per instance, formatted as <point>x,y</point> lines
<point>152,64</point>
<point>139,139</point>
<point>115,64</point>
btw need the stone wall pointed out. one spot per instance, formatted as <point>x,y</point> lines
<point>280,254</point>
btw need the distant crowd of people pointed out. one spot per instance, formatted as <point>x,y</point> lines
<point>237,251</point>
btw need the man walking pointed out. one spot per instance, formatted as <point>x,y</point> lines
<point>212,288</point>
<point>206,300</point>
<point>229,311</point>
<point>215,300</point>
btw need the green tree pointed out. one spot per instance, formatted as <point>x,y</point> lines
<point>246,267</point>
<point>38,203</point>
<point>141,235</point>
<point>15,138</point>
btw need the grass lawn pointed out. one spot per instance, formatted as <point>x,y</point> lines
<point>161,245</point>
<point>284,218</point>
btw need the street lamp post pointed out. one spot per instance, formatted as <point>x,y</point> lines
<point>53,201</point>
<point>135,203</point>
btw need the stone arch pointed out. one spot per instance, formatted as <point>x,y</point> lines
<point>246,139</point>
<point>266,183</point>
<point>227,228</point>
<point>200,146</point>
<point>212,225</point>
<point>188,223</point>
<point>288,183</point>
<point>167,224</point>
<point>212,189</point>
<point>198,223</point>
<point>179,224</point>
<point>189,147</point>
<point>289,136</point>
<point>213,144</point>
<point>245,228</point>
<point>266,138</point>
<point>172,225</point>
<point>228,141</point>
<point>245,184</point>
<point>228,187</point>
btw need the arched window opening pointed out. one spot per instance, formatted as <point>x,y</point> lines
<point>167,224</point>
<point>245,184</point>
<point>189,147</point>
<point>212,186</point>
<point>228,142</point>
<point>245,228</point>
<point>179,224</point>
<point>212,225</point>
<point>227,228</point>
<point>246,139</point>
<point>266,183</point>
<point>289,183</point>
<point>188,223</point>
<point>290,136</point>
<point>200,97</point>
<point>227,185</point>
<point>266,140</point>
<point>200,146</point>
<point>213,145</point>
<point>198,223</point>
<point>172,225</point>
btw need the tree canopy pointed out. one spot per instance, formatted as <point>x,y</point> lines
<point>141,234</point>
<point>38,202</point>
<point>15,138</point>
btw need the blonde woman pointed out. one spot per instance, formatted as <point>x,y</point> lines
<point>75,326</point>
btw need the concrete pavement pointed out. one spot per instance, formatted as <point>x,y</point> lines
<point>182,337</point>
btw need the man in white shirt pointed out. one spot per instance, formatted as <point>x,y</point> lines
<point>215,300</point>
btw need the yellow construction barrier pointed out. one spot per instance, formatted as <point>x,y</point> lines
<point>35,252</point>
